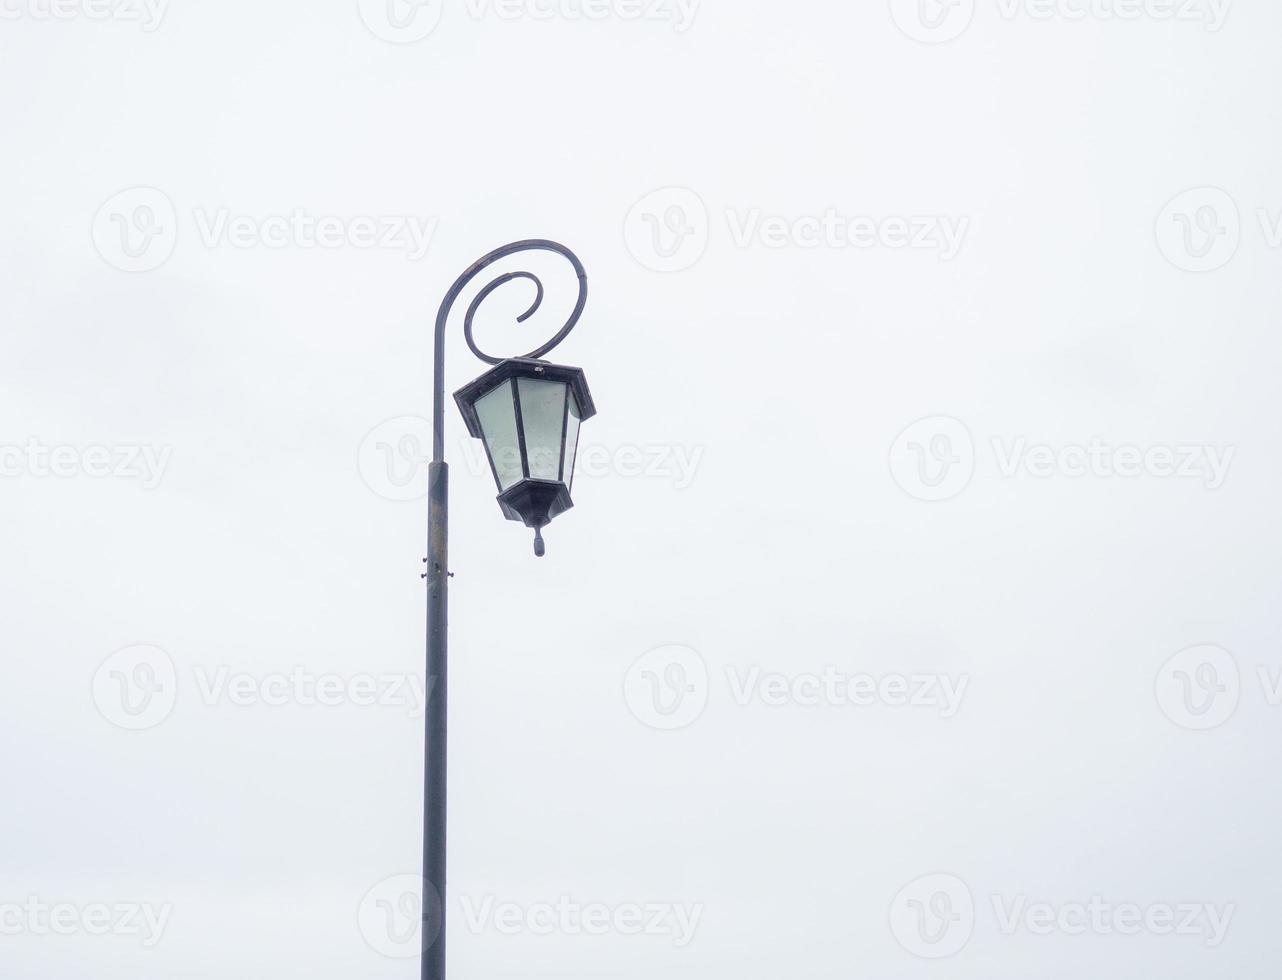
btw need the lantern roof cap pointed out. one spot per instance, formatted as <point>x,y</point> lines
<point>522,367</point>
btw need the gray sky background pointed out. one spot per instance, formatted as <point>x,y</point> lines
<point>935,348</point>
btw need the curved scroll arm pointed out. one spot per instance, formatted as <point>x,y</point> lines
<point>442,319</point>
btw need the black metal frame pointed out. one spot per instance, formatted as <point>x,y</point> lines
<point>438,575</point>
<point>522,367</point>
<point>533,501</point>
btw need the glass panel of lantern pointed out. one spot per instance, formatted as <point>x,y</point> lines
<point>497,414</point>
<point>543,420</point>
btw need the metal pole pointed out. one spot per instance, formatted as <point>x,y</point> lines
<point>434,778</point>
<point>438,576</point>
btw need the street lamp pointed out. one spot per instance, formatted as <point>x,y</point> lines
<point>527,412</point>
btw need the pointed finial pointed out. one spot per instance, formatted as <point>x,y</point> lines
<point>540,549</point>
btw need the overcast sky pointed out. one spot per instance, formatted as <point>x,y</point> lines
<point>917,615</point>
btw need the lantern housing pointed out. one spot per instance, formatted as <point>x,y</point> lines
<point>527,413</point>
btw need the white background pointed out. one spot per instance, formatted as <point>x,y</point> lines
<point>1092,301</point>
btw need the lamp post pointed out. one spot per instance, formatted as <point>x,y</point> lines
<point>527,412</point>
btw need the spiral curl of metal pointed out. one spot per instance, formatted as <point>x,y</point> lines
<point>443,315</point>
